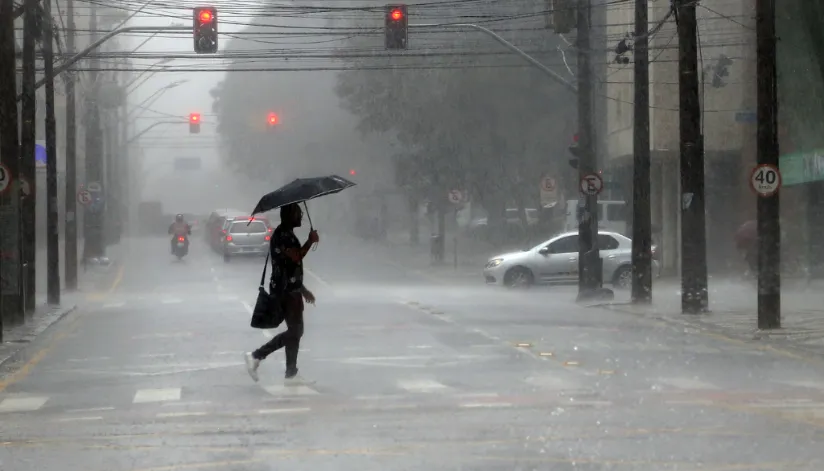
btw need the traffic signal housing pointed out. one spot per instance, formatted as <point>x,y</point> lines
<point>272,120</point>
<point>396,27</point>
<point>194,123</point>
<point>205,30</point>
<point>575,151</point>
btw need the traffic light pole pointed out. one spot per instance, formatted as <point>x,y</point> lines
<point>52,241</point>
<point>94,45</point>
<point>769,229</point>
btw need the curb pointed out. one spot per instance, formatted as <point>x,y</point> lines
<point>755,337</point>
<point>15,353</point>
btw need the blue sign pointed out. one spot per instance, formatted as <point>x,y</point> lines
<point>39,155</point>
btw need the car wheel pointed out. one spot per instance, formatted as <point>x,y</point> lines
<point>518,277</point>
<point>622,278</point>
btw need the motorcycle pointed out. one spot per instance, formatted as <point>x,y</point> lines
<point>181,247</point>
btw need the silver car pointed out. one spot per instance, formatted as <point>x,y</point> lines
<point>556,261</point>
<point>245,237</point>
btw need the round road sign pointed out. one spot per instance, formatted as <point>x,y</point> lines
<point>25,188</point>
<point>592,184</point>
<point>765,179</point>
<point>5,178</point>
<point>84,197</point>
<point>455,196</point>
<point>548,184</point>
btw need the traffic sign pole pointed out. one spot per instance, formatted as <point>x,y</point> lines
<point>768,207</point>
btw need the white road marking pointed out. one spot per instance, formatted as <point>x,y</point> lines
<point>248,307</point>
<point>290,390</point>
<point>421,385</point>
<point>156,355</point>
<point>83,360</point>
<point>180,414</point>
<point>488,405</point>
<point>91,409</point>
<point>687,383</point>
<point>22,404</point>
<point>79,419</point>
<point>171,301</point>
<point>317,278</point>
<point>379,397</point>
<point>689,402</point>
<point>490,395</point>
<point>553,382</point>
<point>186,404</point>
<point>284,411</point>
<point>156,395</point>
<point>113,305</point>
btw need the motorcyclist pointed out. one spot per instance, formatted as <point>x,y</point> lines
<point>179,228</point>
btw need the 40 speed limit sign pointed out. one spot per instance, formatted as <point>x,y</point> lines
<point>765,180</point>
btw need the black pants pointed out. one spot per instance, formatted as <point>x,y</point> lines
<point>290,338</point>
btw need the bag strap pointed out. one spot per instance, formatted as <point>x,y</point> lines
<point>265,265</point>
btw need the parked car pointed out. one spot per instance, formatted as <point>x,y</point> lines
<point>555,261</point>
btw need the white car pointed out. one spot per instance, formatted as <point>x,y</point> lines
<point>556,261</point>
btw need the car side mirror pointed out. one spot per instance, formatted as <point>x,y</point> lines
<point>544,251</point>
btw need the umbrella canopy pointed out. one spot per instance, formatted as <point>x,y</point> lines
<point>301,190</point>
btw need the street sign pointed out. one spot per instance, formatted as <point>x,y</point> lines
<point>5,178</point>
<point>25,188</point>
<point>455,196</point>
<point>548,184</point>
<point>765,179</point>
<point>549,193</point>
<point>591,184</point>
<point>84,197</point>
<point>94,187</point>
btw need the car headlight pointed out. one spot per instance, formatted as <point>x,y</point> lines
<point>494,262</point>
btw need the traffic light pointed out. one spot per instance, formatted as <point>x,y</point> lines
<point>194,123</point>
<point>353,172</point>
<point>272,120</point>
<point>396,27</point>
<point>205,30</point>
<point>575,151</point>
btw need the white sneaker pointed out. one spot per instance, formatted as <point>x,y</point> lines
<point>252,364</point>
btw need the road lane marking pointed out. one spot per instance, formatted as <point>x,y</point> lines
<point>143,396</point>
<point>292,410</point>
<point>91,409</point>
<point>488,405</point>
<point>80,419</point>
<point>186,404</point>
<point>165,415</point>
<point>421,385</point>
<point>687,383</point>
<point>113,305</point>
<point>22,404</point>
<point>315,277</point>
<point>291,390</point>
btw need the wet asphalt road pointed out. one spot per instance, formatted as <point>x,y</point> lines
<point>400,372</point>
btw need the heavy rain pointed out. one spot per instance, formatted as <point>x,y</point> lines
<point>452,234</point>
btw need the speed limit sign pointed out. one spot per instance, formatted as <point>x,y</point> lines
<point>765,180</point>
<point>5,178</point>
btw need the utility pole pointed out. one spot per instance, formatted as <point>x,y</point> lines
<point>93,243</point>
<point>589,260</point>
<point>71,160</point>
<point>11,310</point>
<point>641,213</point>
<point>694,295</point>
<point>52,241</point>
<point>32,31</point>
<point>769,226</point>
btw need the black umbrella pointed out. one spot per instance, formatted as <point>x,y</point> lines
<point>300,191</point>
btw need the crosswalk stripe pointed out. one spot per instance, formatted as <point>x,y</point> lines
<point>290,390</point>
<point>687,383</point>
<point>23,404</point>
<point>156,395</point>
<point>421,385</point>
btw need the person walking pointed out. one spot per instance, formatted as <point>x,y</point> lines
<point>287,285</point>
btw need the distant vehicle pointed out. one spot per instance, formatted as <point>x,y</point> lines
<point>555,261</point>
<point>245,236</point>
<point>213,229</point>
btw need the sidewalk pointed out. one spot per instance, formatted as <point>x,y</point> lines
<point>734,312</point>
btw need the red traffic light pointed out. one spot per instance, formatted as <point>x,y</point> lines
<point>194,118</point>
<point>352,172</point>
<point>206,16</point>
<point>396,14</point>
<point>273,119</point>
<point>575,137</point>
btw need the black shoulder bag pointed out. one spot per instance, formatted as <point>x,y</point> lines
<point>268,312</point>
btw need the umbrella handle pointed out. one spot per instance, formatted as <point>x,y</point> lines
<point>311,226</point>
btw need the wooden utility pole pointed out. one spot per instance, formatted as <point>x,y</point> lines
<point>32,31</point>
<point>11,309</point>
<point>769,227</point>
<point>694,294</point>
<point>589,260</point>
<point>52,236</point>
<point>641,213</point>
<point>70,247</point>
<point>93,241</point>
